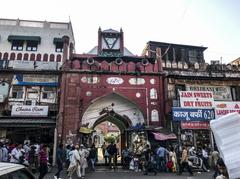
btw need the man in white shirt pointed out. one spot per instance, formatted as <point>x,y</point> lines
<point>16,154</point>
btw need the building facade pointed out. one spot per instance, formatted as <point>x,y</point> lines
<point>31,55</point>
<point>187,74</point>
<point>109,84</point>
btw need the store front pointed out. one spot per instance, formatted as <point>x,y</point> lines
<point>33,130</point>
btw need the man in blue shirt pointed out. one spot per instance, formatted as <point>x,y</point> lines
<point>162,153</point>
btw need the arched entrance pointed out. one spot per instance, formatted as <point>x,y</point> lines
<point>115,109</point>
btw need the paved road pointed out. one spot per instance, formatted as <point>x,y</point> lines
<point>103,173</point>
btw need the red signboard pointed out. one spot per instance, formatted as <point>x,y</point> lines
<point>195,125</point>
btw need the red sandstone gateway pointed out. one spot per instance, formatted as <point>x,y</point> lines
<point>110,84</point>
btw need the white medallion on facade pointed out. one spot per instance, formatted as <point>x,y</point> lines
<point>154,115</point>
<point>114,80</point>
<point>90,80</point>
<point>138,95</point>
<point>153,81</point>
<point>137,81</point>
<point>88,93</point>
<point>153,93</point>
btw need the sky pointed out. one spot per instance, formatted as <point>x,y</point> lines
<point>210,23</point>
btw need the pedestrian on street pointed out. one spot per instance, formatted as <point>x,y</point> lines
<point>68,151</point>
<point>16,154</point>
<point>43,161</point>
<point>59,157</point>
<point>162,153</point>
<point>92,157</point>
<point>74,161</point>
<point>83,152</point>
<point>205,157</point>
<point>112,151</point>
<point>184,162</point>
<point>104,147</point>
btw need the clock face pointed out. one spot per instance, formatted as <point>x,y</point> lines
<point>111,43</point>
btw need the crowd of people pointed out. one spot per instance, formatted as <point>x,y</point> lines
<point>76,158</point>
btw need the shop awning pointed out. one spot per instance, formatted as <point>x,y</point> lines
<point>161,136</point>
<point>24,38</point>
<point>85,130</point>
<point>27,122</point>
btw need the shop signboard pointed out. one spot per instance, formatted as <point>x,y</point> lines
<point>195,125</point>
<point>196,99</point>
<point>222,93</point>
<point>192,114</point>
<point>223,107</point>
<point>24,110</point>
<point>35,80</point>
<point>23,64</point>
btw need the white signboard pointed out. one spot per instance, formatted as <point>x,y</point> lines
<point>37,111</point>
<point>114,80</point>
<point>196,99</point>
<point>222,93</point>
<point>222,108</point>
<point>23,64</point>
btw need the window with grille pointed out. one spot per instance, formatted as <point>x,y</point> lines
<point>59,47</point>
<point>32,46</point>
<point>17,92</point>
<point>48,93</point>
<point>17,45</point>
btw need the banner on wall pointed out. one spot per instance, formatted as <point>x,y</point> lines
<point>222,108</point>
<point>192,114</point>
<point>37,111</point>
<point>195,125</point>
<point>222,93</point>
<point>196,99</point>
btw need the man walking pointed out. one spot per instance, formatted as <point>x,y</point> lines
<point>59,157</point>
<point>83,160</point>
<point>184,162</point>
<point>162,153</point>
<point>112,151</point>
<point>43,160</point>
<point>74,161</point>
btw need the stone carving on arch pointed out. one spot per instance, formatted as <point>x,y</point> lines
<point>122,107</point>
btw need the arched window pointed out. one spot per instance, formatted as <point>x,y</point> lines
<point>39,56</point>
<point>45,57</point>
<point>154,115</point>
<point>153,93</point>
<point>19,56</point>
<point>25,56</point>
<point>59,58</point>
<point>32,57</point>
<point>12,56</point>
<point>5,56</point>
<point>52,58</point>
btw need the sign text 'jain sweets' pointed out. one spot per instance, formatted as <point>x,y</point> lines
<point>196,99</point>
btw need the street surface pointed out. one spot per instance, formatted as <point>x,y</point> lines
<point>105,173</point>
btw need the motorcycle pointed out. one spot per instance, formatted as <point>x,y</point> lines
<point>195,161</point>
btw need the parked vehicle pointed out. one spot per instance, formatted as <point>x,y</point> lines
<point>196,162</point>
<point>16,171</point>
